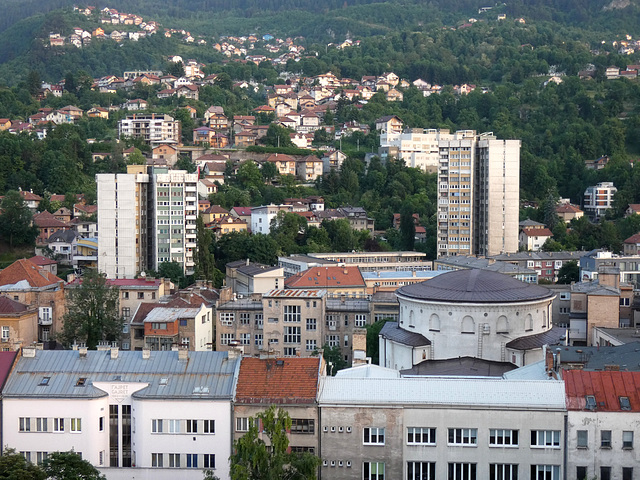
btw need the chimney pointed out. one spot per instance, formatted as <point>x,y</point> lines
<point>114,353</point>
<point>359,346</point>
<point>29,352</point>
<point>183,354</point>
<point>82,352</point>
<point>549,360</point>
<point>235,351</point>
<point>146,353</point>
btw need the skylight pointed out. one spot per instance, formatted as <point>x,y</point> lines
<point>624,403</point>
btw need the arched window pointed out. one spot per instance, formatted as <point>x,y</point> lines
<point>528,322</point>
<point>468,325</point>
<point>412,320</point>
<point>434,323</point>
<point>502,325</point>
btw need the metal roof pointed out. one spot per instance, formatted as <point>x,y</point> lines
<point>448,392</point>
<point>460,366</point>
<point>391,331</point>
<point>554,336</point>
<point>474,286</point>
<point>165,314</point>
<point>208,375</point>
<point>294,293</point>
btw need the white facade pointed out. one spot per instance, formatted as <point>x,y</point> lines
<point>261,217</point>
<point>419,148</point>
<point>152,128</point>
<point>599,199</point>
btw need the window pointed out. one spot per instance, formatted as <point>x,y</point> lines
<point>245,318</point>
<point>125,295</point>
<point>209,460</point>
<point>192,460</point>
<point>627,439</point>
<point>545,438</point>
<point>290,352</point>
<point>41,457</point>
<point>373,436</point>
<point>605,439</point>
<point>503,471</point>
<point>183,322</point>
<point>242,424</point>
<point>76,424</point>
<point>292,335</point>
<point>624,403</point>
<point>225,338</point>
<point>173,426</point>
<point>174,460</point>
<point>501,438</point>
<point>126,312</point>
<point>591,402</point>
<point>245,338</point>
<point>258,338</point>
<point>156,460</point>
<point>192,426</point>
<point>624,302</point>
<point>41,425</point>
<point>156,426</point>
<point>58,424</point>
<point>373,470</point>
<point>311,345</point>
<point>311,324</point>
<point>545,472</point>
<point>292,313</point>
<point>462,471</point>
<point>581,473</point>
<point>605,473</point>
<point>333,340</point>
<point>258,321</point>
<point>421,470</point>
<point>360,320</point>
<point>627,473</point>
<point>140,295</point>
<point>421,436</point>
<point>209,426</point>
<point>463,436</point>
<point>302,425</point>
<point>226,318</point>
<point>583,439</point>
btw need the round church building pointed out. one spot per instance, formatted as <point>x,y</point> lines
<point>469,313</point>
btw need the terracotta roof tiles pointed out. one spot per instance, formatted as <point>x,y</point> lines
<point>327,277</point>
<point>25,270</point>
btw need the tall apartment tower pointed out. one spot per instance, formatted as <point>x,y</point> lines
<point>478,194</point>
<point>149,216</point>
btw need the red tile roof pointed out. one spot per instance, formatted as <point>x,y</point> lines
<point>327,277</point>
<point>567,208</point>
<point>279,381</point>
<point>40,260</point>
<point>635,207</point>
<point>25,270</point>
<point>6,363</point>
<point>46,219</point>
<point>242,211</point>
<point>537,232</point>
<point>633,239</point>
<point>606,386</point>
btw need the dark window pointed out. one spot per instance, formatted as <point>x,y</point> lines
<point>627,473</point>
<point>605,473</point>
<point>581,473</point>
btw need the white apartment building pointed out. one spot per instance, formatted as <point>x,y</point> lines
<point>598,199</point>
<point>160,415</point>
<point>153,128</point>
<point>261,217</point>
<point>149,217</point>
<point>441,428</point>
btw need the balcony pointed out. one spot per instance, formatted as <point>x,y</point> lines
<point>45,320</point>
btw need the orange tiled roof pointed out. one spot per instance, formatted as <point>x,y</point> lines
<point>279,381</point>
<point>26,270</point>
<point>568,208</point>
<point>633,239</point>
<point>537,232</point>
<point>327,277</point>
<point>46,219</point>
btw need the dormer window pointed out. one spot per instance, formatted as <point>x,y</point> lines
<point>624,403</point>
<point>591,402</point>
<point>81,382</point>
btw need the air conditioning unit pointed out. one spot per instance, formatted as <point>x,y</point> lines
<point>340,429</point>
<point>348,429</point>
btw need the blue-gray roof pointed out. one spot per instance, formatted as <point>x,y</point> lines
<point>204,375</point>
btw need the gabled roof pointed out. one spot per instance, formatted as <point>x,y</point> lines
<point>6,363</point>
<point>41,261</point>
<point>279,157</point>
<point>11,306</point>
<point>634,207</point>
<point>65,236</point>
<point>278,380</point>
<point>633,239</point>
<point>391,331</point>
<point>568,208</point>
<point>537,232</point>
<point>607,387</point>
<point>47,220</point>
<point>327,277</point>
<point>23,269</point>
<point>242,211</point>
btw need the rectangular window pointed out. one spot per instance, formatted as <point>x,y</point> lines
<point>373,470</point>
<point>373,436</point>
<point>245,318</point>
<point>156,426</point>
<point>503,471</point>
<point>311,345</point>
<point>192,460</point>
<point>292,335</point>
<point>421,436</point>
<point>209,460</point>
<point>41,457</point>
<point>421,470</point>
<point>259,321</point>
<point>292,313</point>
<point>226,318</point>
<point>581,473</point>
<point>503,438</point>
<point>140,295</point>
<point>156,460</point>
<point>5,333</point>
<point>463,436</point>
<point>258,338</point>
<point>225,338</point>
<point>627,440</point>
<point>41,425</point>
<point>627,473</point>
<point>192,426</point>
<point>242,424</point>
<point>76,424</point>
<point>209,426</point>
<point>245,339</point>
<point>173,426</point>
<point>312,324</point>
<point>58,424</point>
<point>302,425</point>
<point>333,340</point>
<point>545,438</point>
<point>605,439</point>
<point>290,352</point>
<point>174,460</point>
<point>360,320</point>
<point>462,471</point>
<point>545,472</point>
<point>605,473</point>
<point>583,439</point>
<point>25,424</point>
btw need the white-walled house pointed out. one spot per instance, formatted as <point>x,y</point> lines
<point>138,414</point>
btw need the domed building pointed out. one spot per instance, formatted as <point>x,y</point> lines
<point>469,313</point>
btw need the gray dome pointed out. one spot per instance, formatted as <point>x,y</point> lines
<point>474,286</point>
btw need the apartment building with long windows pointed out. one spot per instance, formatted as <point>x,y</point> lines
<point>149,217</point>
<point>153,128</point>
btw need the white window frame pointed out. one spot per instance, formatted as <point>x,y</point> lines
<point>360,320</point>
<point>468,437</point>
<point>421,436</point>
<point>373,436</point>
<point>545,438</point>
<point>545,472</point>
<point>226,318</point>
<point>156,425</point>
<point>503,437</point>
<point>371,471</point>
<point>209,427</point>
<point>156,460</point>
<point>627,439</point>
<point>76,425</point>
<point>243,424</point>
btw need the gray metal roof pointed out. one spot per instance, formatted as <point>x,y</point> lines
<point>391,331</point>
<point>170,314</point>
<point>184,379</point>
<point>474,286</point>
<point>554,336</point>
<point>626,357</point>
<point>461,366</point>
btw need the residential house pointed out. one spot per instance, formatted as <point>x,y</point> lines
<point>136,104</point>
<point>5,124</point>
<point>188,91</point>
<point>598,199</point>
<point>358,218</point>
<point>568,212</point>
<point>336,280</point>
<point>333,160</point>
<point>598,163</point>
<point>207,187</point>
<point>242,213</point>
<point>246,138</point>
<point>631,246</point>
<point>64,245</point>
<point>248,278</point>
<point>98,112</point>
<point>285,164</point>
<point>228,224</point>
<point>532,239</point>
<point>309,168</point>
<point>214,212</point>
<point>262,216</point>
<point>166,152</point>
<point>31,200</point>
<point>18,324</point>
<point>48,225</point>
<point>45,263</point>
<point>35,287</point>
<point>632,209</point>
<point>394,95</point>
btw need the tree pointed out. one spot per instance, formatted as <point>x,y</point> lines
<point>15,221</point>
<point>174,272</point>
<point>93,312</point>
<point>269,171</point>
<point>255,459</point>
<point>407,229</point>
<point>333,357</point>
<point>278,136</point>
<point>204,260</point>
<point>373,331</point>
<point>70,466</point>
<point>34,84</point>
<point>569,272</point>
<point>136,158</point>
<point>13,466</point>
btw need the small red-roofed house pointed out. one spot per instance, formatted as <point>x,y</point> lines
<point>568,212</point>
<point>48,224</point>
<point>5,124</point>
<point>46,263</point>
<point>243,213</point>
<point>632,209</point>
<point>335,280</point>
<point>603,411</point>
<point>289,383</point>
<point>18,324</point>
<point>631,246</point>
<point>533,238</point>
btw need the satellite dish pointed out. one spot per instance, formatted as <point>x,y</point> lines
<point>143,274</point>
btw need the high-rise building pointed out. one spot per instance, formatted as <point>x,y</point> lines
<point>478,194</point>
<point>149,216</point>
